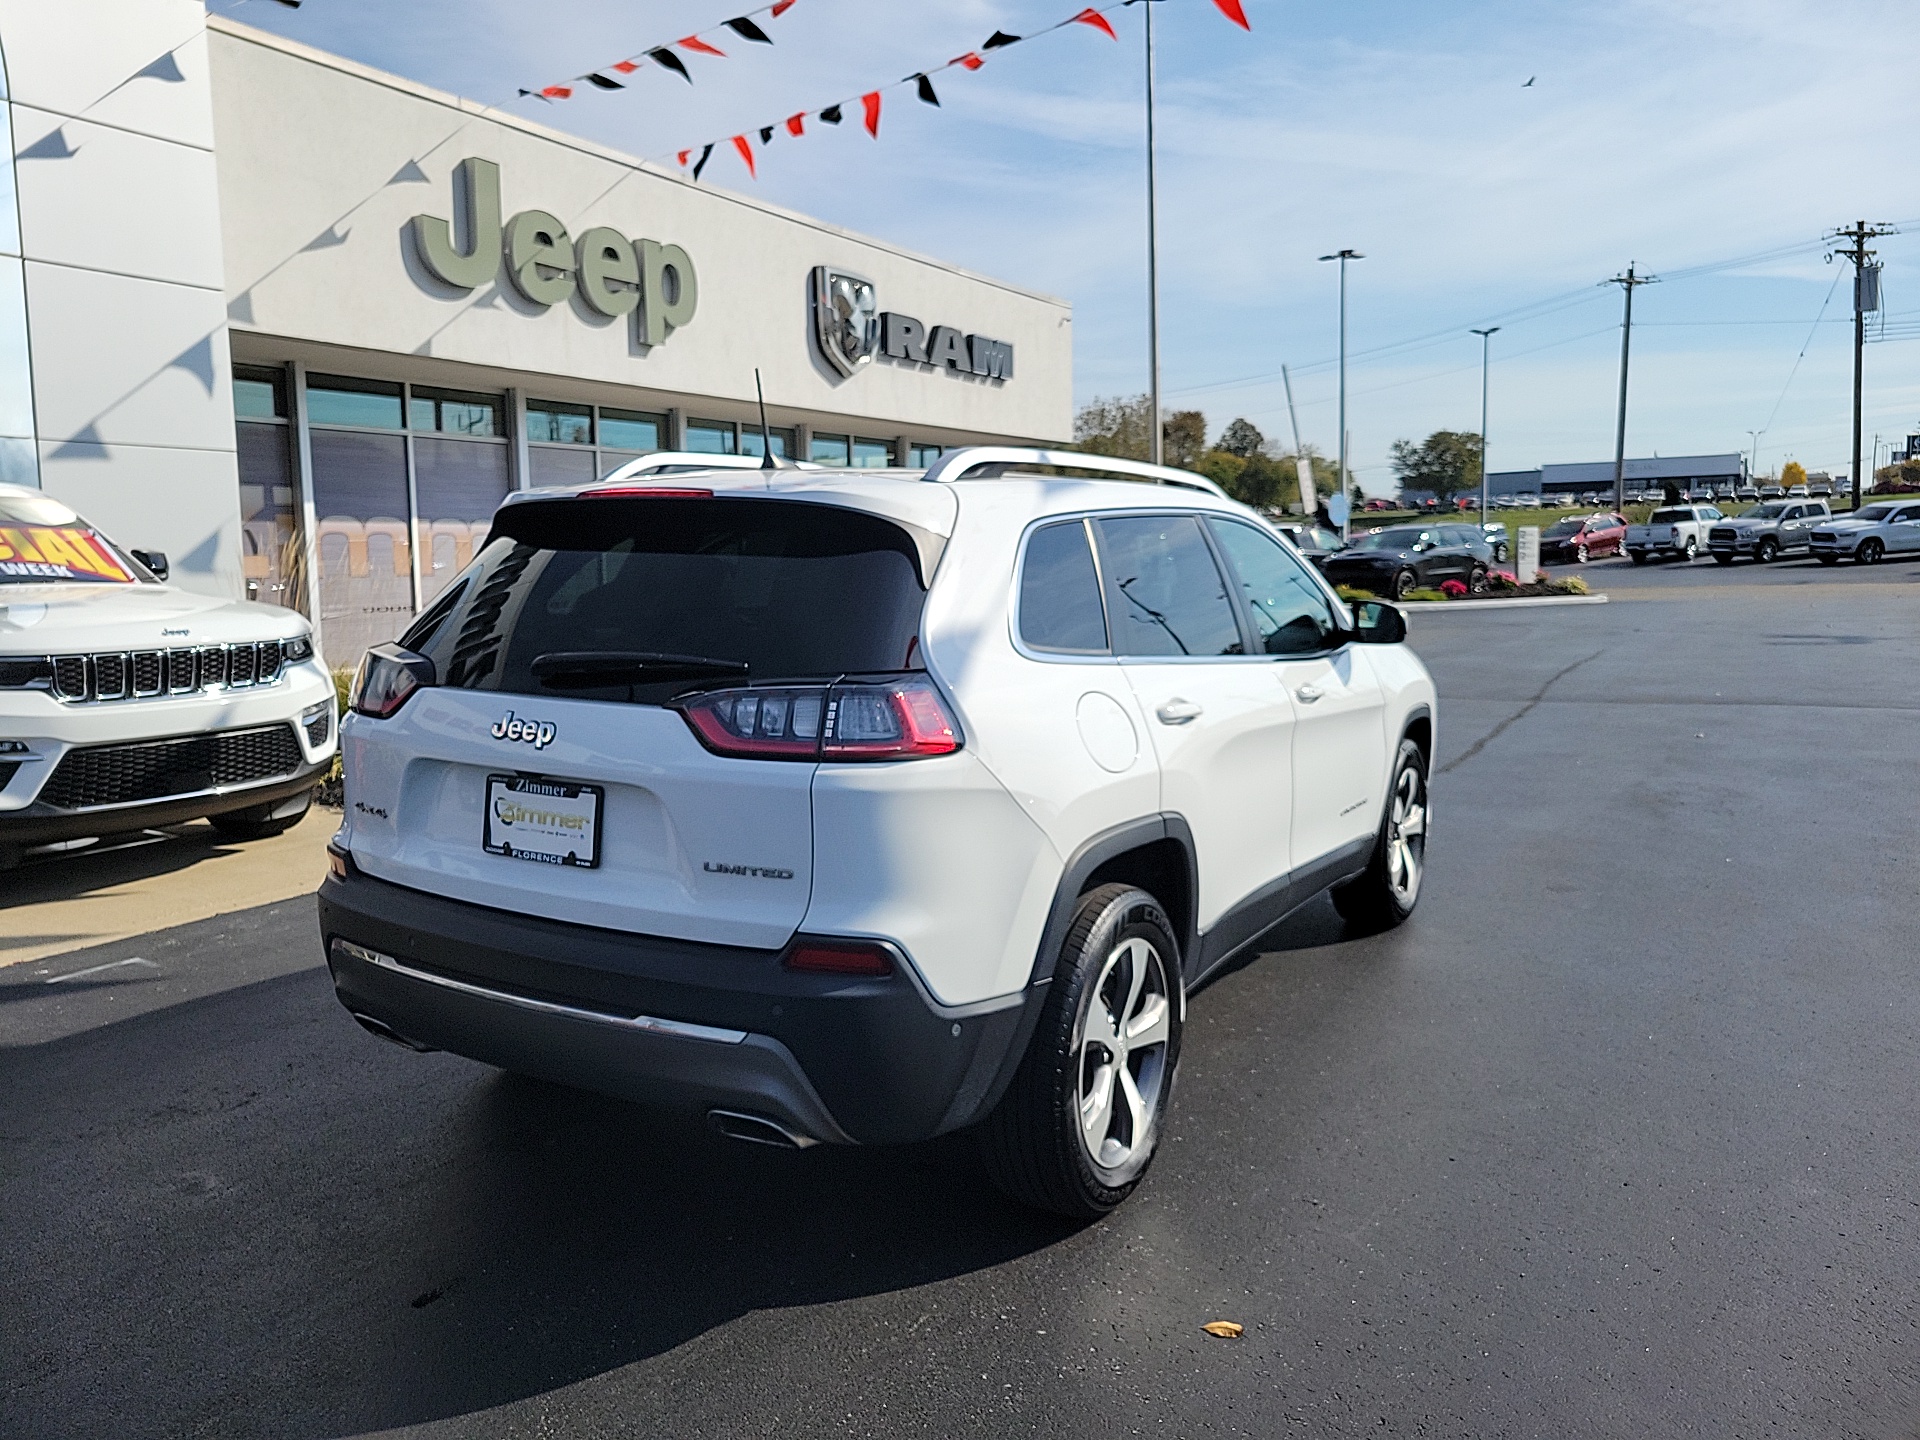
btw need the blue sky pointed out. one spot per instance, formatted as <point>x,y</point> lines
<point>1713,142</point>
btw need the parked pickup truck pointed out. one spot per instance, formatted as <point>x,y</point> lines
<point>1775,528</point>
<point>1676,530</point>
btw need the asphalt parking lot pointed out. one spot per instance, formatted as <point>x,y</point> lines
<point>1615,1137</point>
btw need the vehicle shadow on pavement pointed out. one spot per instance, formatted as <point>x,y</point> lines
<point>243,1215</point>
<point>112,861</point>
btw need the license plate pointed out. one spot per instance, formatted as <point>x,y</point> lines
<point>556,822</point>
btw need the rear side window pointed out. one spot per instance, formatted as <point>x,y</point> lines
<point>1060,605</point>
<point>642,599</point>
<point>1291,614</point>
<point>1912,512</point>
<point>1165,593</point>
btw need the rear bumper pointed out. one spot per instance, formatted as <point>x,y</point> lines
<point>676,1023</point>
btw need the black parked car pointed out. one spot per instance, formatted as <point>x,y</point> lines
<point>1313,541</point>
<point>1407,557</point>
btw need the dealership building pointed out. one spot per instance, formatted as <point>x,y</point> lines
<point>301,324</point>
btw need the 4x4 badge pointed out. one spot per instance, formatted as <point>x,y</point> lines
<point>537,733</point>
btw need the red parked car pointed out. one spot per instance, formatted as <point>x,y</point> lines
<point>1583,540</point>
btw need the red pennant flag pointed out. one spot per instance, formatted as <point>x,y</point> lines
<point>746,154</point>
<point>780,7</point>
<point>683,158</point>
<point>625,67</point>
<point>870,102</point>
<point>1093,17</point>
<point>797,124</point>
<point>971,60</point>
<point>556,92</point>
<point>1233,11</point>
<point>700,47</point>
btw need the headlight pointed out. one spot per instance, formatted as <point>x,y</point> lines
<point>300,647</point>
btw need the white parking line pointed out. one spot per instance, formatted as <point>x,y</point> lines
<point>96,969</point>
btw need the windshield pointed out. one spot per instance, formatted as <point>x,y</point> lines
<point>1873,512</point>
<point>640,599</point>
<point>1765,512</point>
<point>1564,527</point>
<point>1388,540</point>
<point>42,541</point>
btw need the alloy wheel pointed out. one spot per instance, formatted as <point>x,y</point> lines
<point>1407,835</point>
<point>1870,552</point>
<point>1579,554</point>
<point>1122,1054</point>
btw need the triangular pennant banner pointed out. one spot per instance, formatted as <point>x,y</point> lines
<point>766,134</point>
<point>1000,38</point>
<point>625,67</point>
<point>797,124</point>
<point>604,83</point>
<point>700,47</point>
<point>746,154</point>
<point>971,60</point>
<point>870,104</point>
<point>667,60</point>
<point>1093,17</point>
<point>1233,11</point>
<point>780,7</point>
<point>706,154</point>
<point>747,30</point>
<point>925,88</point>
<point>683,158</point>
<point>831,114</point>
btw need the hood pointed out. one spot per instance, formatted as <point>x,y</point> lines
<point>64,618</point>
<point>1847,522</point>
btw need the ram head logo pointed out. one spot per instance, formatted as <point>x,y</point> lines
<point>846,318</point>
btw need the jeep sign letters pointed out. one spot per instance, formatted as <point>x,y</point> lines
<point>615,276</point>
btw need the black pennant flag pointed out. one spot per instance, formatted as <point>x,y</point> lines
<point>766,134</point>
<point>666,59</point>
<point>701,164</point>
<point>604,83</point>
<point>925,88</point>
<point>747,30</point>
<point>831,114</point>
<point>1000,38</point>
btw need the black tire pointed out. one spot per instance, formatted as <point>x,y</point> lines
<point>1477,580</point>
<point>1766,551</point>
<point>1692,549</point>
<point>262,822</point>
<point>1720,558</point>
<point>1376,901</point>
<point>1403,583</point>
<point>1033,1145</point>
<point>1639,557</point>
<point>1869,553</point>
<point>1828,559</point>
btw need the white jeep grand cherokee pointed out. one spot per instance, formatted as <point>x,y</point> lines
<point>126,703</point>
<point>864,806</point>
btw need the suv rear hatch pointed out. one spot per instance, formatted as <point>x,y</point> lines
<point>556,661</point>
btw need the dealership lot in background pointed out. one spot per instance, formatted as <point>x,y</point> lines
<point>1607,1140</point>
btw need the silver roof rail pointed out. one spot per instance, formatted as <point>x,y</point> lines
<point>685,462</point>
<point>998,459</point>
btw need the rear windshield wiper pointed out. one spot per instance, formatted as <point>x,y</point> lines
<point>587,669</point>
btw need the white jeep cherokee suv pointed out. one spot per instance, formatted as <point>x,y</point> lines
<point>126,703</point>
<point>862,806</point>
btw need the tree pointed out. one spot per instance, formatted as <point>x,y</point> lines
<point>1243,439</point>
<point>1793,473</point>
<point>1184,438</point>
<point>1446,462</point>
<point>1117,426</point>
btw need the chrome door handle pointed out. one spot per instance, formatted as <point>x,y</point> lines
<point>1308,693</point>
<point>1178,712</point>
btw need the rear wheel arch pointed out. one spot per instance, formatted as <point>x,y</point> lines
<point>1155,853</point>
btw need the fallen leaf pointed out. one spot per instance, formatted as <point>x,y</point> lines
<point>1225,1329</point>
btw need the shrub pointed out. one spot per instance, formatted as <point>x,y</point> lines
<point>1572,585</point>
<point>1427,593</point>
<point>1498,580</point>
<point>1353,594</point>
<point>1452,589</point>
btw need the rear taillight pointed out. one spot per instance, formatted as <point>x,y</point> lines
<point>839,957</point>
<point>902,719</point>
<point>647,492</point>
<point>387,678</point>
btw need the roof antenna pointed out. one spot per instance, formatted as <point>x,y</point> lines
<point>767,462</point>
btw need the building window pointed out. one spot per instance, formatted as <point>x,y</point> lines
<point>920,455</point>
<point>632,430</point>
<point>712,437</point>
<point>362,404</point>
<point>272,559</point>
<point>572,444</point>
<point>552,422</point>
<point>872,454</point>
<point>455,412</point>
<point>751,443</point>
<point>830,450</point>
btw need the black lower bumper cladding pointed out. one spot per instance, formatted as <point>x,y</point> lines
<point>671,1022</point>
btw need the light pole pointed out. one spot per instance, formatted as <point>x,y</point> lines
<point>1753,458</point>
<point>1343,256</point>
<point>1486,341</point>
<point>1155,449</point>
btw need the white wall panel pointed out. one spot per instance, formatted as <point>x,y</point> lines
<point>85,56</point>
<point>185,502</point>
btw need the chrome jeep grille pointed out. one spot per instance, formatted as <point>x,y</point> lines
<point>142,674</point>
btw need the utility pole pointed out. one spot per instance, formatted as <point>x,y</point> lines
<point>1753,460</point>
<point>1866,296</point>
<point>1486,340</point>
<point>1302,466</point>
<point>1346,484</point>
<point>1627,284</point>
<point>1155,448</point>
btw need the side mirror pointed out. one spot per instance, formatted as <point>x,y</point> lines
<point>1377,623</point>
<point>154,560</point>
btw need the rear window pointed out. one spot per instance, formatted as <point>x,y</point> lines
<point>1060,605</point>
<point>643,599</point>
<point>1670,517</point>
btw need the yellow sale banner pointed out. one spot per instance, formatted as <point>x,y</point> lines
<point>58,552</point>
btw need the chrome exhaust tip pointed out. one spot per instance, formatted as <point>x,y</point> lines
<point>388,1033</point>
<point>758,1130</point>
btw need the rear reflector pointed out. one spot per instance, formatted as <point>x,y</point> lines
<point>840,957</point>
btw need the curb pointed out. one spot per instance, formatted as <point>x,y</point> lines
<point>1421,606</point>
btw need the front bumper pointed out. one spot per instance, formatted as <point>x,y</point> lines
<point>681,1024</point>
<point>1840,545</point>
